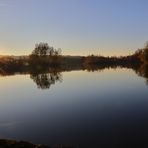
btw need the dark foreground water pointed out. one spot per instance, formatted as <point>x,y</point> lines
<point>83,109</point>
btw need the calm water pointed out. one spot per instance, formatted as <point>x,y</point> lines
<point>83,109</point>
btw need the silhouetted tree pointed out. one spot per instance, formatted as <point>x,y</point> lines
<point>43,49</point>
<point>45,55</point>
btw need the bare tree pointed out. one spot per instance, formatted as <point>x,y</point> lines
<point>43,49</point>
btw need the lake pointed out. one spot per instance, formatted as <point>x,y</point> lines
<point>103,108</point>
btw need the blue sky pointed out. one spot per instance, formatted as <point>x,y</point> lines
<point>78,27</point>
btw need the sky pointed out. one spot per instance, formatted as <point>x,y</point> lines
<point>78,27</point>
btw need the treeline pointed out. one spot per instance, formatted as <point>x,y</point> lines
<point>134,61</point>
<point>97,61</point>
<point>44,56</point>
<point>45,64</point>
<point>10,65</point>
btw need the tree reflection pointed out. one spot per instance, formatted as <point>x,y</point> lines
<point>45,80</point>
<point>45,76</point>
<point>143,71</point>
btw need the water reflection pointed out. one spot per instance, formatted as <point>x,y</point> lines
<point>45,80</point>
<point>98,109</point>
<point>143,71</point>
<point>44,77</point>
